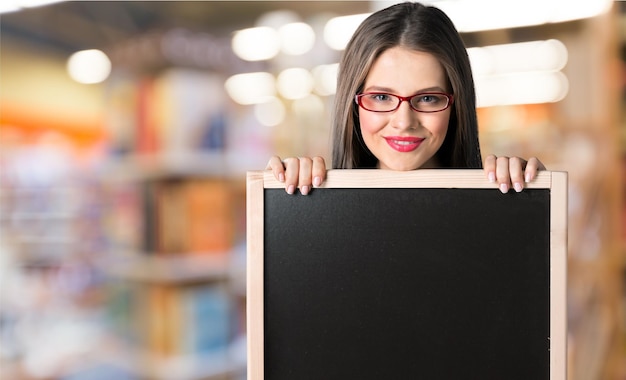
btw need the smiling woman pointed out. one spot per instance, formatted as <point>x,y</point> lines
<point>400,137</point>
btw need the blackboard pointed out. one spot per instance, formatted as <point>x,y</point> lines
<point>429,274</point>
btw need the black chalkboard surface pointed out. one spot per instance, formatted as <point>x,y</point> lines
<point>431,274</point>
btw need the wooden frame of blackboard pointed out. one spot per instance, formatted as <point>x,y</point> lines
<point>555,182</point>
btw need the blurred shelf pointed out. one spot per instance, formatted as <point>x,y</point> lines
<point>158,166</point>
<point>21,216</point>
<point>217,365</point>
<point>65,239</point>
<point>175,269</point>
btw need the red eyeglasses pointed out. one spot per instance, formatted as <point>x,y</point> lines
<point>423,102</point>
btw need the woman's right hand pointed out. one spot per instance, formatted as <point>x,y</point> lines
<point>298,172</point>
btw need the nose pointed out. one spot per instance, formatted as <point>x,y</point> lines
<point>404,117</point>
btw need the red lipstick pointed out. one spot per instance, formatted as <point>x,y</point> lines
<point>404,144</point>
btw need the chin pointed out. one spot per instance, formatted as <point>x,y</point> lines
<point>401,167</point>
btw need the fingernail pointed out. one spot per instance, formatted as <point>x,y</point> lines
<point>527,177</point>
<point>492,177</point>
<point>317,181</point>
<point>304,190</point>
<point>518,187</point>
<point>281,177</point>
<point>504,188</point>
<point>291,189</point>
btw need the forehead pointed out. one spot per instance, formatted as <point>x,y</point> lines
<point>406,70</point>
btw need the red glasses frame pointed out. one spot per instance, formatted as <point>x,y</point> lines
<point>450,97</point>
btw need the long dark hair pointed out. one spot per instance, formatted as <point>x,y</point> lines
<point>418,27</point>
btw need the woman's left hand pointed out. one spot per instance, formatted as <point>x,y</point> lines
<point>511,172</point>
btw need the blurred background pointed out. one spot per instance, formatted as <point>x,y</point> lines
<point>126,129</point>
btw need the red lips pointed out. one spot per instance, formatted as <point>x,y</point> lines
<point>403,143</point>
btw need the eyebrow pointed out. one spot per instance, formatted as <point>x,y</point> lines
<point>391,91</point>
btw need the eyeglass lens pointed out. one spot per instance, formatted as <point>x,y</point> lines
<point>382,102</point>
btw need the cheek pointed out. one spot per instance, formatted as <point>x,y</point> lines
<point>370,122</point>
<point>439,126</point>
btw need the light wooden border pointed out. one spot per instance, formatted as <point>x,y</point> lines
<point>257,181</point>
<point>254,277</point>
<point>558,276</point>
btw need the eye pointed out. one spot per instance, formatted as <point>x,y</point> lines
<point>429,98</point>
<point>380,98</point>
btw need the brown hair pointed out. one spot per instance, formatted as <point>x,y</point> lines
<point>418,27</point>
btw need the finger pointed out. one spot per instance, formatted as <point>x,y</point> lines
<point>490,168</point>
<point>516,172</point>
<point>292,168</point>
<point>305,177</point>
<point>532,167</point>
<point>319,171</point>
<point>275,164</point>
<point>502,174</point>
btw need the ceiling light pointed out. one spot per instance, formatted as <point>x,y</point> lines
<point>521,88</point>
<point>470,15</point>
<point>8,7</point>
<point>325,77</point>
<point>89,66</point>
<point>339,30</point>
<point>476,15</point>
<point>35,3</point>
<point>296,38</point>
<point>256,44</point>
<point>270,112</point>
<point>276,19</point>
<point>251,88</point>
<point>310,107</point>
<point>550,55</point>
<point>295,83</point>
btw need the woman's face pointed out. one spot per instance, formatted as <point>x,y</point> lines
<point>405,139</point>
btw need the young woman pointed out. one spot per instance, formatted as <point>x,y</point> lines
<point>405,100</point>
